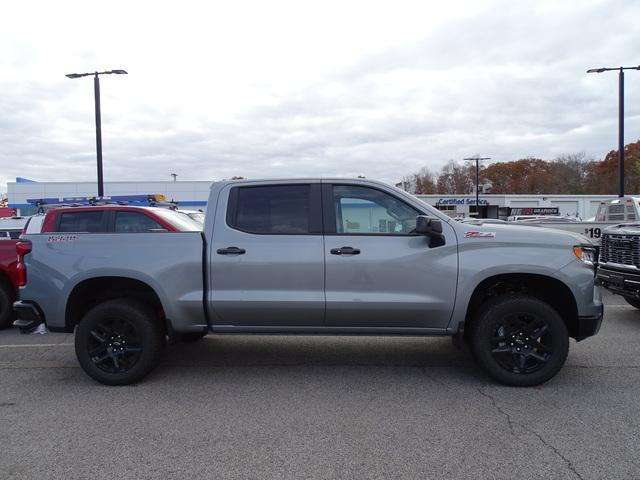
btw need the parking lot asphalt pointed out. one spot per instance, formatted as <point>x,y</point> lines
<point>322,407</point>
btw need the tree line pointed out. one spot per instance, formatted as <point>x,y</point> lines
<point>567,174</point>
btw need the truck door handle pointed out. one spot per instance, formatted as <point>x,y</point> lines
<point>345,251</point>
<point>231,251</point>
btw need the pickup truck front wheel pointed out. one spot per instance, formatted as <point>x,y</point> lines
<point>519,340</point>
<point>118,342</point>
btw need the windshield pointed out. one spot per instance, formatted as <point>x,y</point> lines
<point>197,216</point>
<point>13,223</point>
<point>182,222</point>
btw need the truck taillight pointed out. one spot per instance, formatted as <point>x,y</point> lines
<point>22,248</point>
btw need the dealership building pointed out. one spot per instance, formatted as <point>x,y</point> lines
<point>501,206</point>
<point>194,196</point>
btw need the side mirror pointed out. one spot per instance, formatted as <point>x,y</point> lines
<point>432,228</point>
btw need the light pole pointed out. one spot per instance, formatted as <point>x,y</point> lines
<point>96,89</point>
<point>477,159</point>
<point>620,71</point>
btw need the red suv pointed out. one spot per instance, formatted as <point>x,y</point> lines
<point>10,229</point>
<point>117,219</point>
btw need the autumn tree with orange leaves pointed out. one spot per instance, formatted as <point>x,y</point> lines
<point>566,174</point>
<point>604,178</point>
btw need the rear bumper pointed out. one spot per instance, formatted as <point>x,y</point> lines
<point>28,315</point>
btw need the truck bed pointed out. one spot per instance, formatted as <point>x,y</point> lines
<point>170,263</point>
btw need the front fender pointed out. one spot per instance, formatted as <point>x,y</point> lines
<point>483,259</point>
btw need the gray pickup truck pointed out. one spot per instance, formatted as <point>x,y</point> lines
<point>323,257</point>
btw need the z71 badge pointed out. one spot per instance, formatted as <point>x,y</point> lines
<point>479,234</point>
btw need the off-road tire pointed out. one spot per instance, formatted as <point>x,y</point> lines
<point>634,302</point>
<point>6,306</point>
<point>123,325</point>
<point>494,346</point>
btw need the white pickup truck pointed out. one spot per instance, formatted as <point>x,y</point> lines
<point>610,213</point>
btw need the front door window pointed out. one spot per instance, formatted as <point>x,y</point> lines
<point>363,210</point>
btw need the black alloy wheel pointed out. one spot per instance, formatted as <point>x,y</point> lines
<point>114,345</point>
<point>522,343</point>
<point>120,341</point>
<point>519,340</point>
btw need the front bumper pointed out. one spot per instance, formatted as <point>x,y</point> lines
<point>28,315</point>
<point>619,281</point>
<point>589,326</point>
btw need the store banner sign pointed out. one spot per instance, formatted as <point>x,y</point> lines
<point>534,211</point>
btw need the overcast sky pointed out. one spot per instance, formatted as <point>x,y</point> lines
<point>301,88</point>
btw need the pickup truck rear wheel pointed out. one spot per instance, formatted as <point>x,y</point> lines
<point>634,302</point>
<point>519,340</point>
<point>118,342</point>
<point>6,307</point>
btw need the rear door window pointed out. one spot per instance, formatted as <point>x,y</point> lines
<point>135,222</point>
<point>84,221</point>
<point>281,209</point>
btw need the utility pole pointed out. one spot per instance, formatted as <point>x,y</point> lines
<point>174,175</point>
<point>620,71</point>
<point>477,159</point>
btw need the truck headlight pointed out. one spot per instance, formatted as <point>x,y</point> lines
<point>586,254</point>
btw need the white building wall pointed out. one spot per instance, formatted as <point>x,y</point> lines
<point>190,195</point>
<point>567,207</point>
<point>584,206</point>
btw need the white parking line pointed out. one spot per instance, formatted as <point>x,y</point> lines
<point>37,345</point>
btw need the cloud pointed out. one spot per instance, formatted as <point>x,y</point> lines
<point>373,92</point>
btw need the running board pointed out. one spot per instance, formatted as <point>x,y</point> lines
<point>297,330</point>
